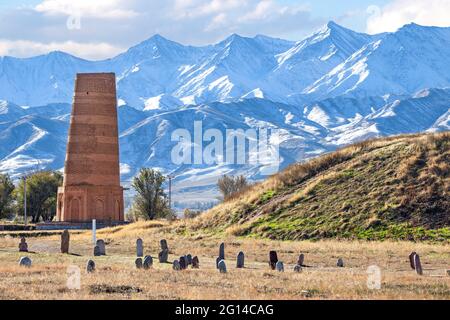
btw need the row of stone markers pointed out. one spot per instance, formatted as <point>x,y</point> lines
<point>274,263</point>
<point>163,256</point>
<point>187,260</point>
<point>146,264</point>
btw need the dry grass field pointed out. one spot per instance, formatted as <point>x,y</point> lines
<point>117,278</point>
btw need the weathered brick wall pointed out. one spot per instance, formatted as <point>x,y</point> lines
<point>91,188</point>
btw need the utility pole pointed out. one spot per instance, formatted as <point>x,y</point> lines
<point>170,191</point>
<point>170,177</point>
<point>25,199</point>
<point>25,189</point>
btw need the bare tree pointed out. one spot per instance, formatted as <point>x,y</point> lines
<point>229,186</point>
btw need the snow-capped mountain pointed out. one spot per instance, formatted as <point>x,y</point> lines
<point>159,74</point>
<point>308,60</point>
<point>411,59</point>
<point>40,80</point>
<point>333,88</point>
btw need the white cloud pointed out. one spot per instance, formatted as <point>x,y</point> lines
<point>400,12</point>
<point>262,10</point>
<point>198,8</point>
<point>107,25</point>
<point>92,51</point>
<point>269,9</point>
<point>217,22</point>
<point>88,8</point>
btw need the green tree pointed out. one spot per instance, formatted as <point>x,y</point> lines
<point>42,189</point>
<point>230,186</point>
<point>151,201</point>
<point>6,194</point>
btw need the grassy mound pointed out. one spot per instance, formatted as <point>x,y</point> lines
<point>396,188</point>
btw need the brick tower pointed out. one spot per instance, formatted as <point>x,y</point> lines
<point>91,188</point>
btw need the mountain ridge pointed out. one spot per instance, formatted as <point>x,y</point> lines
<point>259,66</point>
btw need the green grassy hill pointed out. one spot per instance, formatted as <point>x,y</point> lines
<point>396,188</point>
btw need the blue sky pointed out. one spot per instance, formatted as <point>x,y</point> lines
<point>333,9</point>
<point>96,29</point>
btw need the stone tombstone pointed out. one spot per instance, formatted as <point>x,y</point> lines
<point>222,251</point>
<point>138,263</point>
<point>163,244</point>
<point>183,262</point>
<point>176,265</point>
<point>97,251</point>
<point>301,259</point>
<point>240,260</point>
<point>102,247</point>
<point>273,259</point>
<point>139,248</point>
<point>418,265</point>
<point>280,266</point>
<point>90,266</point>
<point>411,260</point>
<point>340,263</point>
<point>25,262</point>
<point>189,259</point>
<point>148,262</point>
<point>163,256</point>
<point>222,266</point>
<point>65,240</point>
<point>217,262</point>
<point>195,263</point>
<point>298,268</point>
<point>23,246</point>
